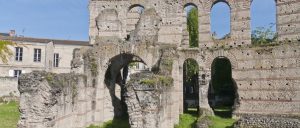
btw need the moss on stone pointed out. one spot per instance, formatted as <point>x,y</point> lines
<point>166,81</point>
<point>157,80</point>
<point>151,82</point>
<point>94,67</point>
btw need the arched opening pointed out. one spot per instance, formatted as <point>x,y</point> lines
<point>133,16</point>
<point>116,76</point>
<point>263,21</point>
<point>191,12</point>
<point>220,20</point>
<point>191,86</point>
<point>222,89</point>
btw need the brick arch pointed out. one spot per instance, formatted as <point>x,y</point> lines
<point>190,55</point>
<point>136,3</point>
<point>133,6</point>
<point>190,4</point>
<point>208,4</point>
<point>231,57</point>
<point>213,2</point>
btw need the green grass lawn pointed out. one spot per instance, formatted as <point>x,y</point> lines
<point>222,118</point>
<point>188,119</point>
<point>9,115</point>
<point>116,123</point>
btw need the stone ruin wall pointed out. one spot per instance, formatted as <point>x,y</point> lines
<point>173,26</point>
<point>54,101</point>
<point>267,77</point>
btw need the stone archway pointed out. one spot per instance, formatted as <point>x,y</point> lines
<point>222,92</point>
<point>190,86</point>
<point>116,74</point>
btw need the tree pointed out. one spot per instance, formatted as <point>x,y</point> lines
<point>262,35</point>
<point>192,24</point>
<point>5,52</point>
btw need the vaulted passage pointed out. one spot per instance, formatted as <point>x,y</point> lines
<point>115,79</point>
<point>190,86</point>
<point>222,89</point>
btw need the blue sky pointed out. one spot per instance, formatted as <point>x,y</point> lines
<point>69,19</point>
<point>59,19</point>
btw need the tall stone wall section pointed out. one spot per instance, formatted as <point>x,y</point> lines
<point>266,77</point>
<point>50,100</point>
<point>149,104</point>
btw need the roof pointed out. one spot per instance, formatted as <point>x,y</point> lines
<point>4,34</point>
<point>41,40</point>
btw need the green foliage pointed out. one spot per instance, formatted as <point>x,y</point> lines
<point>5,52</point>
<point>192,24</point>
<point>262,35</point>
<point>186,121</point>
<point>164,80</point>
<point>134,64</point>
<point>116,123</point>
<point>9,115</point>
<point>191,69</point>
<point>151,82</point>
<point>158,80</point>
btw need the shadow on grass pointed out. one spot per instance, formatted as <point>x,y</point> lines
<point>224,112</point>
<point>122,122</point>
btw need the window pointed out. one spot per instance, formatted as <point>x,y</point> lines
<point>263,21</point>
<point>17,73</point>
<point>220,20</point>
<point>19,54</point>
<point>37,55</point>
<point>191,11</point>
<point>56,60</point>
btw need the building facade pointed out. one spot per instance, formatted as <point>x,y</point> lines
<point>31,54</point>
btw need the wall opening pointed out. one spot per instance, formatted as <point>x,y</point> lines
<point>133,16</point>
<point>222,89</point>
<point>191,86</point>
<point>263,21</point>
<point>116,76</point>
<point>191,12</point>
<point>220,20</point>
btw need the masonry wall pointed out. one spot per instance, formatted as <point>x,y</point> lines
<point>9,87</point>
<point>266,78</point>
<point>54,101</point>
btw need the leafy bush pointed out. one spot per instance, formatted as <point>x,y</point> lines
<point>262,35</point>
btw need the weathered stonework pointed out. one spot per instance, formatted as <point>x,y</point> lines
<point>148,100</point>
<point>50,100</point>
<point>267,77</point>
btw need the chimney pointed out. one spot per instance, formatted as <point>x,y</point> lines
<point>12,33</point>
